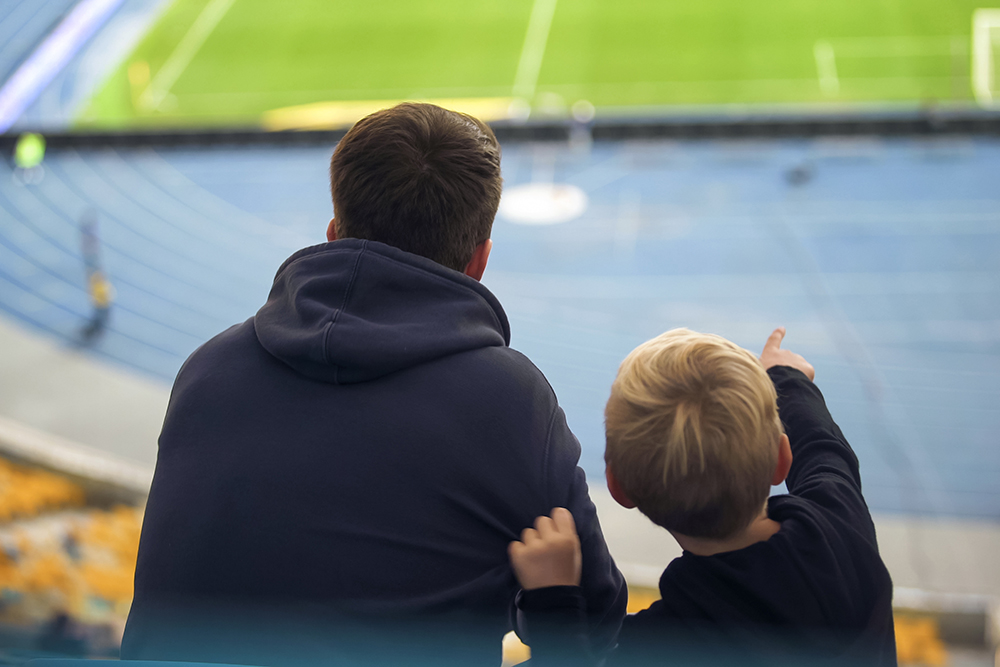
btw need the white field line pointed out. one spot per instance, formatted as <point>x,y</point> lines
<point>182,54</point>
<point>984,79</point>
<point>534,48</point>
<point>826,68</point>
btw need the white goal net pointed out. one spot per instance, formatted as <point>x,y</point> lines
<point>986,57</point>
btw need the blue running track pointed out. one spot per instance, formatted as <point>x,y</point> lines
<point>882,258</point>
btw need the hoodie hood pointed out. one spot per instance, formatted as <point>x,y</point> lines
<point>354,310</point>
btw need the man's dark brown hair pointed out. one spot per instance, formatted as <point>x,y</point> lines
<point>420,178</point>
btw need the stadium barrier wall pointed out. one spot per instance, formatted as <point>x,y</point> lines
<point>105,478</point>
<point>963,620</point>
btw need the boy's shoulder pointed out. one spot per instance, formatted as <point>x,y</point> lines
<point>817,581</point>
<point>817,570</point>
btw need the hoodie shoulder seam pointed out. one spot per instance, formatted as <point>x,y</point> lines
<point>548,445</point>
<point>336,314</point>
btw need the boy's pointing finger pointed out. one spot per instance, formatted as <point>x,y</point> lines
<point>774,340</point>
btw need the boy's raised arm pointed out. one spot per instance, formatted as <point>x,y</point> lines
<point>824,467</point>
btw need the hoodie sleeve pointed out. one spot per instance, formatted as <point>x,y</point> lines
<point>602,585</point>
<point>556,621</point>
<point>824,467</point>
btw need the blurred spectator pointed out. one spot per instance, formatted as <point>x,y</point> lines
<point>62,636</point>
<point>101,297</point>
<point>99,288</point>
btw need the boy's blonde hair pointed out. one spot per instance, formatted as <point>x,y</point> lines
<point>692,433</point>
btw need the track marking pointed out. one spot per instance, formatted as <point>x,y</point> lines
<point>985,22</point>
<point>182,54</point>
<point>826,68</point>
<point>533,50</point>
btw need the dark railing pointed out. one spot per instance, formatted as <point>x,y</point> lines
<point>892,124</point>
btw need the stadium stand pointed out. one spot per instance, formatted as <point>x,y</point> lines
<point>26,492</point>
<point>894,240</point>
<point>63,557</point>
<point>870,232</point>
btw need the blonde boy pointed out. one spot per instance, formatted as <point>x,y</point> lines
<point>698,430</point>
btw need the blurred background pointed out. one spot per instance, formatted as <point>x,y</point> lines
<point>722,165</point>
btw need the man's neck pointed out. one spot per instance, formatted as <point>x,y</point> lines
<point>760,530</point>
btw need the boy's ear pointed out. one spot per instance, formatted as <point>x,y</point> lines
<point>784,461</point>
<point>616,490</point>
<point>331,230</point>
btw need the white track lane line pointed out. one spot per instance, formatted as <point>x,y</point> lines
<point>181,57</point>
<point>534,48</point>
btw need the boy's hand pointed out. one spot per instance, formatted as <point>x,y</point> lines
<point>548,554</point>
<point>773,355</point>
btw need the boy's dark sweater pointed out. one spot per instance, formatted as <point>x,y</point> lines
<point>817,589</point>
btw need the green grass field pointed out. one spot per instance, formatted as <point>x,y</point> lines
<point>210,62</point>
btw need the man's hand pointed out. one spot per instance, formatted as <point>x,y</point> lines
<point>548,554</point>
<point>773,355</point>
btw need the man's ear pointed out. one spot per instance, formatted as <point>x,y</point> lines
<point>616,490</point>
<point>477,265</point>
<point>331,230</point>
<point>784,461</point>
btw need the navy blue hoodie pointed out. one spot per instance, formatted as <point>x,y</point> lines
<point>356,457</point>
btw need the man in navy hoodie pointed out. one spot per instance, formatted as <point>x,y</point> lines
<point>338,476</point>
